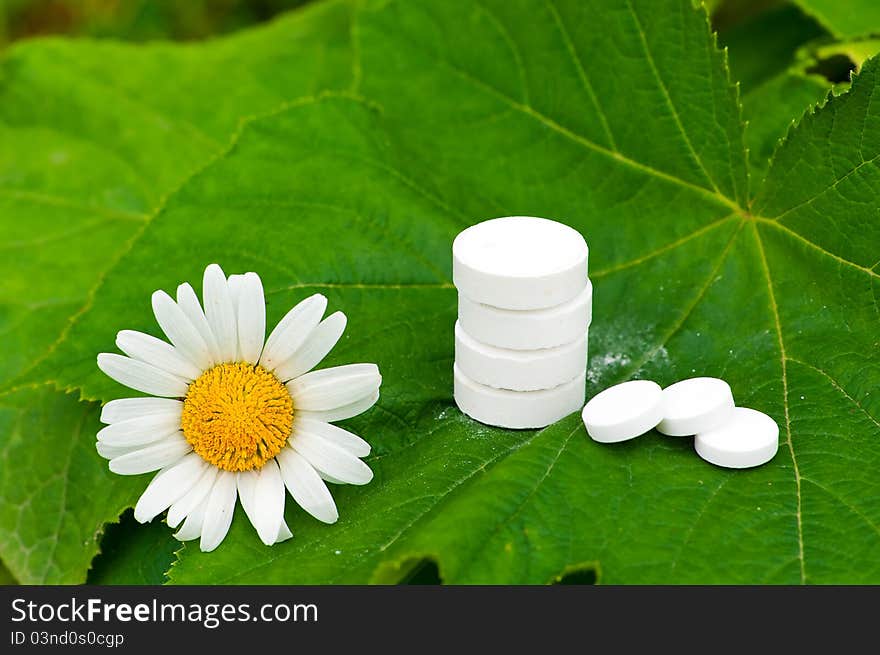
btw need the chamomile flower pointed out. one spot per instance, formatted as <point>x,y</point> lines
<point>233,415</point>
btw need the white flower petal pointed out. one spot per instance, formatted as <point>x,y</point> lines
<point>123,409</point>
<point>246,481</point>
<point>112,452</point>
<point>329,478</point>
<point>188,302</point>
<point>218,511</point>
<point>331,459</point>
<point>220,312</point>
<point>167,486</point>
<point>309,428</point>
<point>139,431</point>
<point>108,451</point>
<point>262,497</point>
<point>343,412</point>
<point>234,282</point>
<point>197,494</point>
<point>306,486</point>
<point>160,354</point>
<point>292,331</point>
<point>151,458</point>
<point>192,527</point>
<point>334,387</point>
<point>317,345</point>
<point>141,376</point>
<point>251,318</point>
<point>284,533</point>
<point>270,496</point>
<point>180,330</point>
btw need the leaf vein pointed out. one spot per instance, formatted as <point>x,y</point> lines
<point>830,187</point>
<point>846,504</point>
<point>64,203</point>
<point>689,309</point>
<point>774,309</point>
<point>838,387</point>
<point>662,249</point>
<point>797,235</point>
<point>514,49</point>
<point>116,90</point>
<point>532,491</point>
<point>360,285</point>
<point>74,437</point>
<point>582,73</point>
<point>667,98</point>
<point>699,516</point>
<point>581,140</point>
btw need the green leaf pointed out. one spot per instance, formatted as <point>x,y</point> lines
<point>786,64</point>
<point>483,109</point>
<point>771,55</point>
<point>55,495</point>
<point>822,182</point>
<point>845,19</point>
<point>772,108</point>
<point>6,577</point>
<point>95,134</point>
<point>134,554</point>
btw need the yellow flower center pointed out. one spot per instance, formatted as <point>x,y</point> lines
<point>237,416</point>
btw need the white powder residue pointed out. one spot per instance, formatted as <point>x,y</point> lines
<point>601,364</point>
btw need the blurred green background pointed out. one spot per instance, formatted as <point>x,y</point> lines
<point>144,20</point>
<point>785,26</point>
<point>134,20</point>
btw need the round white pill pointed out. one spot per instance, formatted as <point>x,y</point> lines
<point>527,329</point>
<point>520,262</point>
<point>624,411</point>
<point>519,370</point>
<point>748,438</point>
<point>517,409</point>
<point>695,405</point>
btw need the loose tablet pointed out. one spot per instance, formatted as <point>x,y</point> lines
<point>519,370</point>
<point>527,329</point>
<point>520,262</point>
<point>748,438</point>
<point>695,405</point>
<point>517,409</point>
<point>624,411</point>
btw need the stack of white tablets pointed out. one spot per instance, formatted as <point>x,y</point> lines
<point>724,435</point>
<point>524,307</point>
